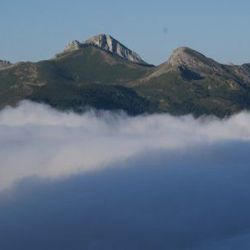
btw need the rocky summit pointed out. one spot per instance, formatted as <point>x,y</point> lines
<point>103,73</point>
<point>74,45</point>
<point>110,44</point>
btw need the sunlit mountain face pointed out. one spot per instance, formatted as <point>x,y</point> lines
<point>106,180</point>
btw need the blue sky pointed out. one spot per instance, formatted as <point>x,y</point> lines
<point>35,30</point>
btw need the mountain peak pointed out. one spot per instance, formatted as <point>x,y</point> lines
<point>100,40</point>
<point>185,56</point>
<point>192,59</point>
<point>72,46</point>
<point>110,44</point>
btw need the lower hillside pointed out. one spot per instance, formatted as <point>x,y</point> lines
<point>78,98</point>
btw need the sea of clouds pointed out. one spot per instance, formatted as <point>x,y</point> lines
<point>104,180</point>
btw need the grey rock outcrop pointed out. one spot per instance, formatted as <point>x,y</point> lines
<point>110,44</point>
<point>72,46</point>
<point>192,59</point>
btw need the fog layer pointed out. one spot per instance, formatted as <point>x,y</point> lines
<point>104,180</point>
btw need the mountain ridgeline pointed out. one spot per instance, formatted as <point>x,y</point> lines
<point>104,74</point>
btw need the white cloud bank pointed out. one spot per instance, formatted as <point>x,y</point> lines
<point>108,181</point>
<point>36,140</point>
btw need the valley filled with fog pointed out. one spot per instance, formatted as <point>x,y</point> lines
<point>105,180</point>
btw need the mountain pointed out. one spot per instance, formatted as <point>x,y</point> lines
<point>81,75</point>
<point>190,82</point>
<point>109,44</point>
<point>103,73</point>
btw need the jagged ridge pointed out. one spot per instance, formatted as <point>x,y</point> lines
<point>109,44</point>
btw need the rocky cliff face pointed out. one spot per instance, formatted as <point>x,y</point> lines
<point>72,46</point>
<point>110,44</point>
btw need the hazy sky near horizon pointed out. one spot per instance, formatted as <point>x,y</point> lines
<point>35,30</point>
